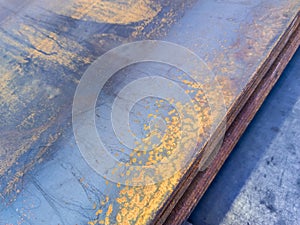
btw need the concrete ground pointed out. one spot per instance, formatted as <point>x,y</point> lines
<point>260,181</point>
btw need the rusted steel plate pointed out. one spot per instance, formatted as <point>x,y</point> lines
<point>46,47</point>
<point>203,179</point>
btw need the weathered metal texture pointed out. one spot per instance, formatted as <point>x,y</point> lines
<point>203,179</point>
<point>45,49</point>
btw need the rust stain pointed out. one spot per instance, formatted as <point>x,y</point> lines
<point>8,96</point>
<point>47,45</point>
<point>114,12</point>
<point>133,205</point>
<point>138,205</point>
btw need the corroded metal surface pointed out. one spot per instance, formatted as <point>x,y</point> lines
<point>45,48</point>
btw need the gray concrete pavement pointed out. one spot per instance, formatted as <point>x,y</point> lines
<point>260,181</point>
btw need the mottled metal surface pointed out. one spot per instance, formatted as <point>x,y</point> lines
<point>45,49</point>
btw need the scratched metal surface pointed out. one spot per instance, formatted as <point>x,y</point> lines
<point>45,48</point>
